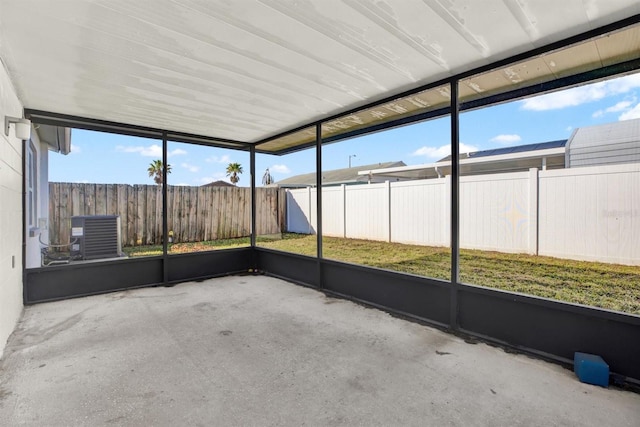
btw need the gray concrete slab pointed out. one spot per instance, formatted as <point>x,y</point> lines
<point>261,351</point>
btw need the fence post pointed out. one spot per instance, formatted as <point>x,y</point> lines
<point>533,211</point>
<point>387,219</point>
<point>446,211</point>
<point>287,213</point>
<point>309,211</point>
<point>343,189</point>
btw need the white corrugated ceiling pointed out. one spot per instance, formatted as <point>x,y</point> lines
<point>246,70</point>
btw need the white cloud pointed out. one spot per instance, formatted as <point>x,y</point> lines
<point>443,151</point>
<point>633,113</point>
<point>75,149</point>
<point>464,148</point>
<point>190,168</point>
<point>153,150</point>
<point>620,106</point>
<point>569,128</point>
<point>624,84</point>
<point>506,139</point>
<point>567,98</point>
<point>182,184</point>
<point>221,159</point>
<point>207,179</point>
<point>150,151</point>
<point>176,152</point>
<point>430,151</point>
<point>282,169</point>
<point>204,180</point>
<point>582,94</point>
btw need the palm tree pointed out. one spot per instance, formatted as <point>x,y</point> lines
<point>233,170</point>
<point>267,178</point>
<point>155,171</point>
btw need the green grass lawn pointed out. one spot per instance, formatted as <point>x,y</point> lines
<point>610,286</point>
<point>180,248</point>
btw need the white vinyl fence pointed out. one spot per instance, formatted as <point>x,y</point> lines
<point>498,212</point>
<point>589,213</point>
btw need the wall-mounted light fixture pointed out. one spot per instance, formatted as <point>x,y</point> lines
<point>22,127</point>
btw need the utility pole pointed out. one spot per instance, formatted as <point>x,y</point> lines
<point>352,155</point>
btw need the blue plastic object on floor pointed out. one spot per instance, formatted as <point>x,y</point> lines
<point>591,369</point>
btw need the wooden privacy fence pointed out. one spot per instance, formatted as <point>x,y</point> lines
<point>194,213</point>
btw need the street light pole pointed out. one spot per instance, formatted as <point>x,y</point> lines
<point>352,155</point>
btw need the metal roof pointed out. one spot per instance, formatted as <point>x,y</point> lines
<point>509,150</point>
<point>252,71</point>
<point>334,177</point>
<point>549,155</point>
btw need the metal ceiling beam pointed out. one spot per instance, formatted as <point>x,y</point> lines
<point>65,120</point>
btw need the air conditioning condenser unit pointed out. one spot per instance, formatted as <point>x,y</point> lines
<point>96,237</point>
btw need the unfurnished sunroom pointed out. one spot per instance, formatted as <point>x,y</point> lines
<point>272,80</point>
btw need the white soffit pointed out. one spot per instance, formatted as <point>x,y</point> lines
<point>246,70</point>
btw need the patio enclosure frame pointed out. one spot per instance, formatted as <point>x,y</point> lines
<point>547,328</point>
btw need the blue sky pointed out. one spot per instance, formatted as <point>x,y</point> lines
<point>106,158</point>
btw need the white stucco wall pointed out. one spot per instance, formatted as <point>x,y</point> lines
<point>10,213</point>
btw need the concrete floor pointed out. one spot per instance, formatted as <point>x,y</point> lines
<point>261,351</point>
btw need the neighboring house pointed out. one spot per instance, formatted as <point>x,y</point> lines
<point>608,144</point>
<point>44,138</point>
<point>611,143</point>
<point>348,176</point>
<point>218,183</point>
